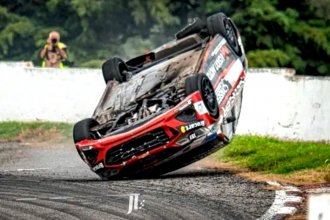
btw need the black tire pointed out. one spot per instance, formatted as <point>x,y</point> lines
<point>201,82</point>
<point>113,70</point>
<point>81,130</point>
<point>195,27</point>
<point>220,24</point>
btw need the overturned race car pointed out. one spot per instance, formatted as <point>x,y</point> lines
<point>170,107</point>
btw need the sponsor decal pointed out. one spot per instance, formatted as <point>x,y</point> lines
<point>183,129</point>
<point>98,166</point>
<point>192,136</point>
<point>216,66</point>
<point>192,126</point>
<point>218,47</point>
<point>233,98</point>
<point>185,105</point>
<point>225,51</point>
<point>222,89</point>
<point>200,108</point>
<point>234,72</point>
<point>229,106</point>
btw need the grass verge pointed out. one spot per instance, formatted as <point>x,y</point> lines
<point>35,131</point>
<point>300,161</point>
<point>255,157</point>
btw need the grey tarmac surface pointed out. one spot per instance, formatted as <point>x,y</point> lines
<point>52,182</point>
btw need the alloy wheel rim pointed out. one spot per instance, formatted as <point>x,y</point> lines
<point>230,33</point>
<point>209,96</point>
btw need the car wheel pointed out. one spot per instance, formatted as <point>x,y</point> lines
<point>201,83</point>
<point>195,27</point>
<point>113,69</point>
<point>220,24</point>
<point>82,130</point>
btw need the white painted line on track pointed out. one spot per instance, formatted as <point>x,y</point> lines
<point>130,205</point>
<point>36,169</point>
<point>282,197</point>
<point>32,169</point>
<point>61,198</point>
<point>27,199</point>
<point>75,197</point>
<point>287,210</point>
<point>133,203</point>
<point>273,183</point>
<point>25,169</point>
<point>136,200</point>
<point>319,190</point>
<point>294,199</point>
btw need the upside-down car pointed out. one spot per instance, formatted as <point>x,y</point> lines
<point>169,107</point>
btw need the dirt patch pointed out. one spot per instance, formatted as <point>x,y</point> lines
<point>300,178</point>
<point>39,137</point>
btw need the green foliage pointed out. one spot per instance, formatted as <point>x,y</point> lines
<point>276,33</point>
<point>322,8</point>
<point>91,29</point>
<point>279,33</point>
<point>92,64</point>
<point>14,30</point>
<point>267,58</point>
<point>275,156</point>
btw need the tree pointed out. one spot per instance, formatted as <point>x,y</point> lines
<point>92,29</point>
<point>280,33</point>
<point>276,33</point>
<point>15,30</point>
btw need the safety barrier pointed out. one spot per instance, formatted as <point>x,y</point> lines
<point>280,104</point>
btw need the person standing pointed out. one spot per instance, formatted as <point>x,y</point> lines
<point>54,52</point>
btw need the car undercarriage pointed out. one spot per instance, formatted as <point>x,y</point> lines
<point>155,90</point>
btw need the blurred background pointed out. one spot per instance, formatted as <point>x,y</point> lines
<point>276,33</point>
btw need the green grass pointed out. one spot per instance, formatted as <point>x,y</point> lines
<point>275,156</point>
<point>256,153</point>
<point>10,131</point>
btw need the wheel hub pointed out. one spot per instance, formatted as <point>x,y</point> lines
<point>230,33</point>
<point>209,96</point>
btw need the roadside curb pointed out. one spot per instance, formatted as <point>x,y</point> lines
<point>286,202</point>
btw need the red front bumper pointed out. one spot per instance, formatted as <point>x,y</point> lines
<point>167,122</point>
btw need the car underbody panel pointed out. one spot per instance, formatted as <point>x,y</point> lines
<point>146,94</point>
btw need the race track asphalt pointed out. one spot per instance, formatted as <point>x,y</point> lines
<point>51,182</point>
